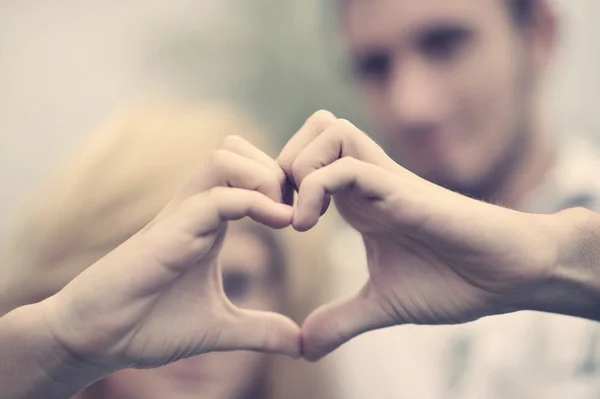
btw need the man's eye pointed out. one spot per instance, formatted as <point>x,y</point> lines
<point>444,43</point>
<point>373,66</point>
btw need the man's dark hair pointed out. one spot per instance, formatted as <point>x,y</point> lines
<point>522,11</point>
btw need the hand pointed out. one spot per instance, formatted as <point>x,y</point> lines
<point>434,256</point>
<point>159,297</point>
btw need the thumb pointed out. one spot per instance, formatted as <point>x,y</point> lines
<point>332,325</point>
<point>261,331</point>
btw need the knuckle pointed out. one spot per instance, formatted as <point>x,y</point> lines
<point>285,162</point>
<point>219,158</point>
<point>297,170</point>
<point>279,174</point>
<point>214,195</point>
<point>272,182</point>
<point>232,141</point>
<point>260,176</point>
<point>343,122</point>
<point>336,133</point>
<point>344,126</point>
<point>348,162</point>
<point>313,180</point>
<point>346,132</point>
<point>270,187</point>
<point>190,205</point>
<point>321,119</point>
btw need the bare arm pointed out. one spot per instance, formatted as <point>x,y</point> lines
<point>33,364</point>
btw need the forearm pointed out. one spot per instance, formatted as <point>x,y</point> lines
<point>32,364</point>
<point>574,286</point>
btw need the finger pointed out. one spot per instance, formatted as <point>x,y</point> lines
<point>336,323</point>
<point>260,331</point>
<point>311,129</point>
<point>241,146</point>
<point>338,140</point>
<point>228,169</point>
<point>235,204</point>
<point>173,239</point>
<point>205,212</point>
<point>372,182</point>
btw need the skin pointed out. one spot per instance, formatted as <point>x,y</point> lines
<point>452,90</point>
<point>120,312</point>
<point>249,284</point>
<point>434,257</point>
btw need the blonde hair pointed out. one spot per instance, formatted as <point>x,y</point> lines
<point>116,184</point>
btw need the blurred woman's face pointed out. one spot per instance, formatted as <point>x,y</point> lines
<point>248,283</point>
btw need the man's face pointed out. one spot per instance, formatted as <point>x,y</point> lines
<point>447,84</point>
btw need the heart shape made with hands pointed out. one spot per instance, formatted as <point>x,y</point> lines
<point>330,156</point>
<point>434,256</point>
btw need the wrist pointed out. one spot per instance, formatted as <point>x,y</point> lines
<point>75,343</point>
<point>572,286</point>
<point>38,365</point>
<point>61,363</point>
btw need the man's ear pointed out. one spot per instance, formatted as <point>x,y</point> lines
<point>543,31</point>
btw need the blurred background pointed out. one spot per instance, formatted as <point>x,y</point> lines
<point>66,65</point>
